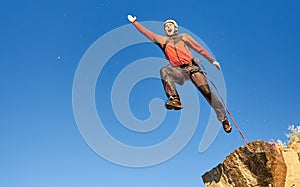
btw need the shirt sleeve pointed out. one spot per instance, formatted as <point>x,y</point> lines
<point>198,48</point>
<point>152,36</point>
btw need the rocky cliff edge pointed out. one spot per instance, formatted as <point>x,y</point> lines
<point>259,164</point>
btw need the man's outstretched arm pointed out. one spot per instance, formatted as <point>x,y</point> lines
<point>199,49</point>
<point>152,36</point>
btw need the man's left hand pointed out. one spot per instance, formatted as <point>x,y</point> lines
<point>217,64</point>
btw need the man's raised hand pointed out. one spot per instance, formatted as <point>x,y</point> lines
<point>131,18</point>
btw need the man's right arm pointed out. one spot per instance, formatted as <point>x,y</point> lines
<point>152,36</point>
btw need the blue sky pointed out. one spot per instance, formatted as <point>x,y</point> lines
<point>42,43</point>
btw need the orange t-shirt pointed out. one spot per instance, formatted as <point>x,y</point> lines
<point>177,49</point>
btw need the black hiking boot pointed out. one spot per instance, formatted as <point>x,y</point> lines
<point>174,104</point>
<point>226,125</point>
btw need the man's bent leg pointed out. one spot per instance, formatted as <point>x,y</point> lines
<point>168,76</point>
<point>201,83</point>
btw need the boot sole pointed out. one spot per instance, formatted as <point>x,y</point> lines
<point>171,107</point>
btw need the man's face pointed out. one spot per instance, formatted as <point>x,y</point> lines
<point>170,29</point>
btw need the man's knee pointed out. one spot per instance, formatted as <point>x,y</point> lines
<point>164,72</point>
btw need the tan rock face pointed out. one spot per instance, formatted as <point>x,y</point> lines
<point>257,164</point>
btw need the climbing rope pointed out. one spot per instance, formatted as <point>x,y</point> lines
<point>227,110</point>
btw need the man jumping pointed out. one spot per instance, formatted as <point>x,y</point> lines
<point>183,67</point>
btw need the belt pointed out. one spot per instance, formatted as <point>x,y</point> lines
<point>185,65</point>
